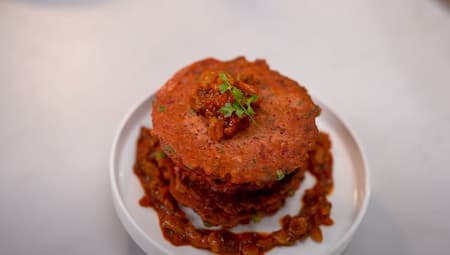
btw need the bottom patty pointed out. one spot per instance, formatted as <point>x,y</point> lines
<point>230,209</point>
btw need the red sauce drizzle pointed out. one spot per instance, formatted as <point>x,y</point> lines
<point>153,173</point>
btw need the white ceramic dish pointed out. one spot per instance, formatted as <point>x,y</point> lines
<point>350,196</point>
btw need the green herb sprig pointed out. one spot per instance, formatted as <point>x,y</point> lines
<point>241,105</point>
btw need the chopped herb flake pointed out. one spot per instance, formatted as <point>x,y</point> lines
<point>159,155</point>
<point>207,224</point>
<point>256,217</point>
<point>279,175</point>
<point>192,112</point>
<point>161,108</point>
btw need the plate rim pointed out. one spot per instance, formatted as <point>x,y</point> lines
<point>343,241</point>
<point>121,209</point>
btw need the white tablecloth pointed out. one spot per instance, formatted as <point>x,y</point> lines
<point>69,70</point>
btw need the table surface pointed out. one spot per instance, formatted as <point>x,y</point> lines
<point>70,70</point>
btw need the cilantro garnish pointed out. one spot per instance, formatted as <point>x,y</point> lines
<point>279,175</point>
<point>241,105</point>
<point>225,86</point>
<point>256,217</point>
<point>237,94</point>
<point>227,110</point>
<point>161,108</point>
<point>159,155</point>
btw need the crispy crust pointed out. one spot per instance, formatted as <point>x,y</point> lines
<point>284,133</point>
<point>230,209</point>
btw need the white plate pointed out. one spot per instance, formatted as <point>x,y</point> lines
<point>349,198</point>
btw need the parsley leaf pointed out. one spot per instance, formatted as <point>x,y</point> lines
<point>251,99</point>
<point>249,102</point>
<point>227,110</point>
<point>239,112</point>
<point>239,100</point>
<point>224,77</point>
<point>225,86</point>
<point>250,110</point>
<point>237,94</point>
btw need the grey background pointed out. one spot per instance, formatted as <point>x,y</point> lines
<point>69,71</point>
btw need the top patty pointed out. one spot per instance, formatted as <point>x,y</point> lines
<point>276,144</point>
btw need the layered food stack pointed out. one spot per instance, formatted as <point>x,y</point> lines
<point>238,137</point>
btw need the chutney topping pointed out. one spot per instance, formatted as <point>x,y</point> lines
<point>228,104</point>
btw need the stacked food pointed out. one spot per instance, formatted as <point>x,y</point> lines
<point>232,140</point>
<point>239,134</point>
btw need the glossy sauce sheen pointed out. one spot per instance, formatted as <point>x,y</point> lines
<point>153,169</point>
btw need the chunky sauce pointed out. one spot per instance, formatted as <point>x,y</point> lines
<point>216,96</point>
<point>153,169</point>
